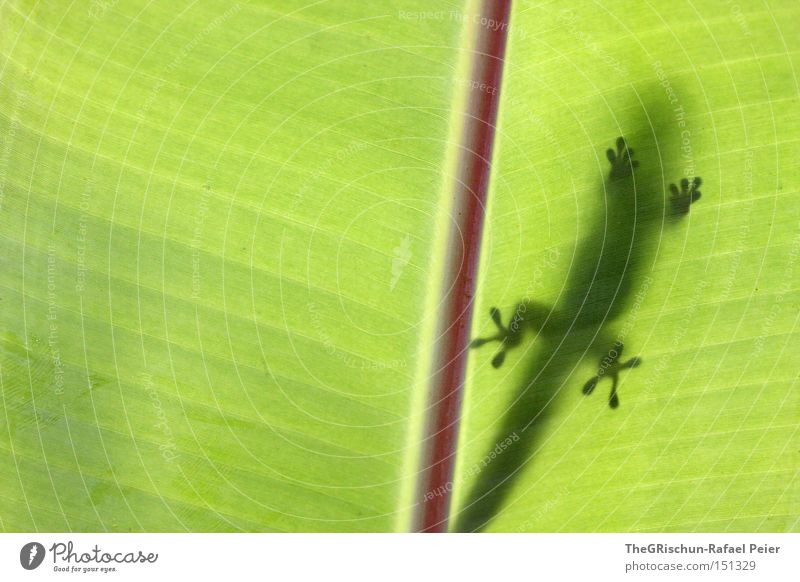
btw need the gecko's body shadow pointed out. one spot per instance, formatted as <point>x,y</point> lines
<point>635,204</point>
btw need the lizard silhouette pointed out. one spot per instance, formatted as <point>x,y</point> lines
<point>607,265</point>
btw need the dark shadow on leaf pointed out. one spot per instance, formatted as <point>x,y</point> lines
<point>633,208</point>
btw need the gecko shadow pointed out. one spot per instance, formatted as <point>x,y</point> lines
<point>607,268</point>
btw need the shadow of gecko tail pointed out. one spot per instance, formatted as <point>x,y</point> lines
<point>634,205</point>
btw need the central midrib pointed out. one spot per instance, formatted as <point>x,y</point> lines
<point>470,190</point>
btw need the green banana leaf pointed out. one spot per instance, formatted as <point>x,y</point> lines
<point>217,232</point>
<point>223,231</point>
<point>701,432</point>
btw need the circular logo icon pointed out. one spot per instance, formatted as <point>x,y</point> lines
<point>31,555</point>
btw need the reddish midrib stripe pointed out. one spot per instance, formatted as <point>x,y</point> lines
<point>464,245</point>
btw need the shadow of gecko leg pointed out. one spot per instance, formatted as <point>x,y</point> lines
<point>610,367</point>
<point>600,284</point>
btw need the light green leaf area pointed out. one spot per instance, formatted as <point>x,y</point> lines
<point>216,230</point>
<point>705,437</point>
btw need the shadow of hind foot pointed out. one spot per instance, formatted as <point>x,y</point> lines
<point>610,367</point>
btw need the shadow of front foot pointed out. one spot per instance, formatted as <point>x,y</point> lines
<point>622,162</point>
<point>610,366</point>
<point>688,194</point>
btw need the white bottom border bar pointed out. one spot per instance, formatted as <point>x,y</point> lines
<point>381,557</point>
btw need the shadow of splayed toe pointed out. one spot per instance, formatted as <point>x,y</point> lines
<point>634,205</point>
